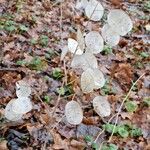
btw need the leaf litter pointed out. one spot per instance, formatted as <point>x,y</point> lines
<point>40,30</point>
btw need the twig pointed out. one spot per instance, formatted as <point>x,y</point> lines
<point>57,101</point>
<point>103,129</point>
<point>119,111</point>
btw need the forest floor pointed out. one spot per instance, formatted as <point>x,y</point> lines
<point>32,36</point>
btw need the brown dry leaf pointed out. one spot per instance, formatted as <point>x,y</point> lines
<point>78,144</point>
<point>3,145</point>
<point>123,74</point>
<point>91,120</point>
<point>83,130</point>
<point>59,143</point>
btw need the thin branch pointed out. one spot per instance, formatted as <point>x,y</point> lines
<point>119,111</point>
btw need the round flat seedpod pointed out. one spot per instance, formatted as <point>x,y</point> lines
<point>101,106</point>
<point>73,47</point>
<point>10,114</point>
<point>119,21</point>
<point>87,82</point>
<point>99,80</point>
<point>22,105</point>
<point>73,113</point>
<point>81,4</point>
<point>23,89</point>
<point>94,10</point>
<point>84,61</point>
<point>94,42</point>
<point>110,36</point>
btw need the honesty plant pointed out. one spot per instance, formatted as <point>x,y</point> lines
<point>83,49</point>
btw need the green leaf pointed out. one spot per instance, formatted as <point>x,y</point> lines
<point>10,28</point>
<point>135,132</point>
<point>33,41</point>
<point>61,91</point>
<point>123,132</point>
<point>88,138</point>
<point>109,128</point>
<point>47,98</point>
<point>144,55</point>
<point>43,40</point>
<point>107,50</point>
<point>66,90</point>
<point>110,147</point>
<point>95,146</point>
<point>21,62</point>
<point>57,73</point>
<point>37,64</point>
<point>147,101</point>
<point>23,28</point>
<point>131,106</point>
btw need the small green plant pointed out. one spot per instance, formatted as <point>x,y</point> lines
<point>57,73</point>
<point>107,89</point>
<point>124,130</point>
<point>61,91</point>
<point>107,50</point>
<point>36,63</point>
<point>147,101</point>
<point>10,26</point>
<point>65,90</point>
<point>43,41</point>
<point>109,128</point>
<point>21,62</point>
<point>33,41</point>
<point>135,132</point>
<point>89,139</point>
<point>144,55</point>
<point>109,147</point>
<point>47,98</point>
<point>147,6</point>
<point>131,106</point>
<point>23,28</point>
<point>49,54</point>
